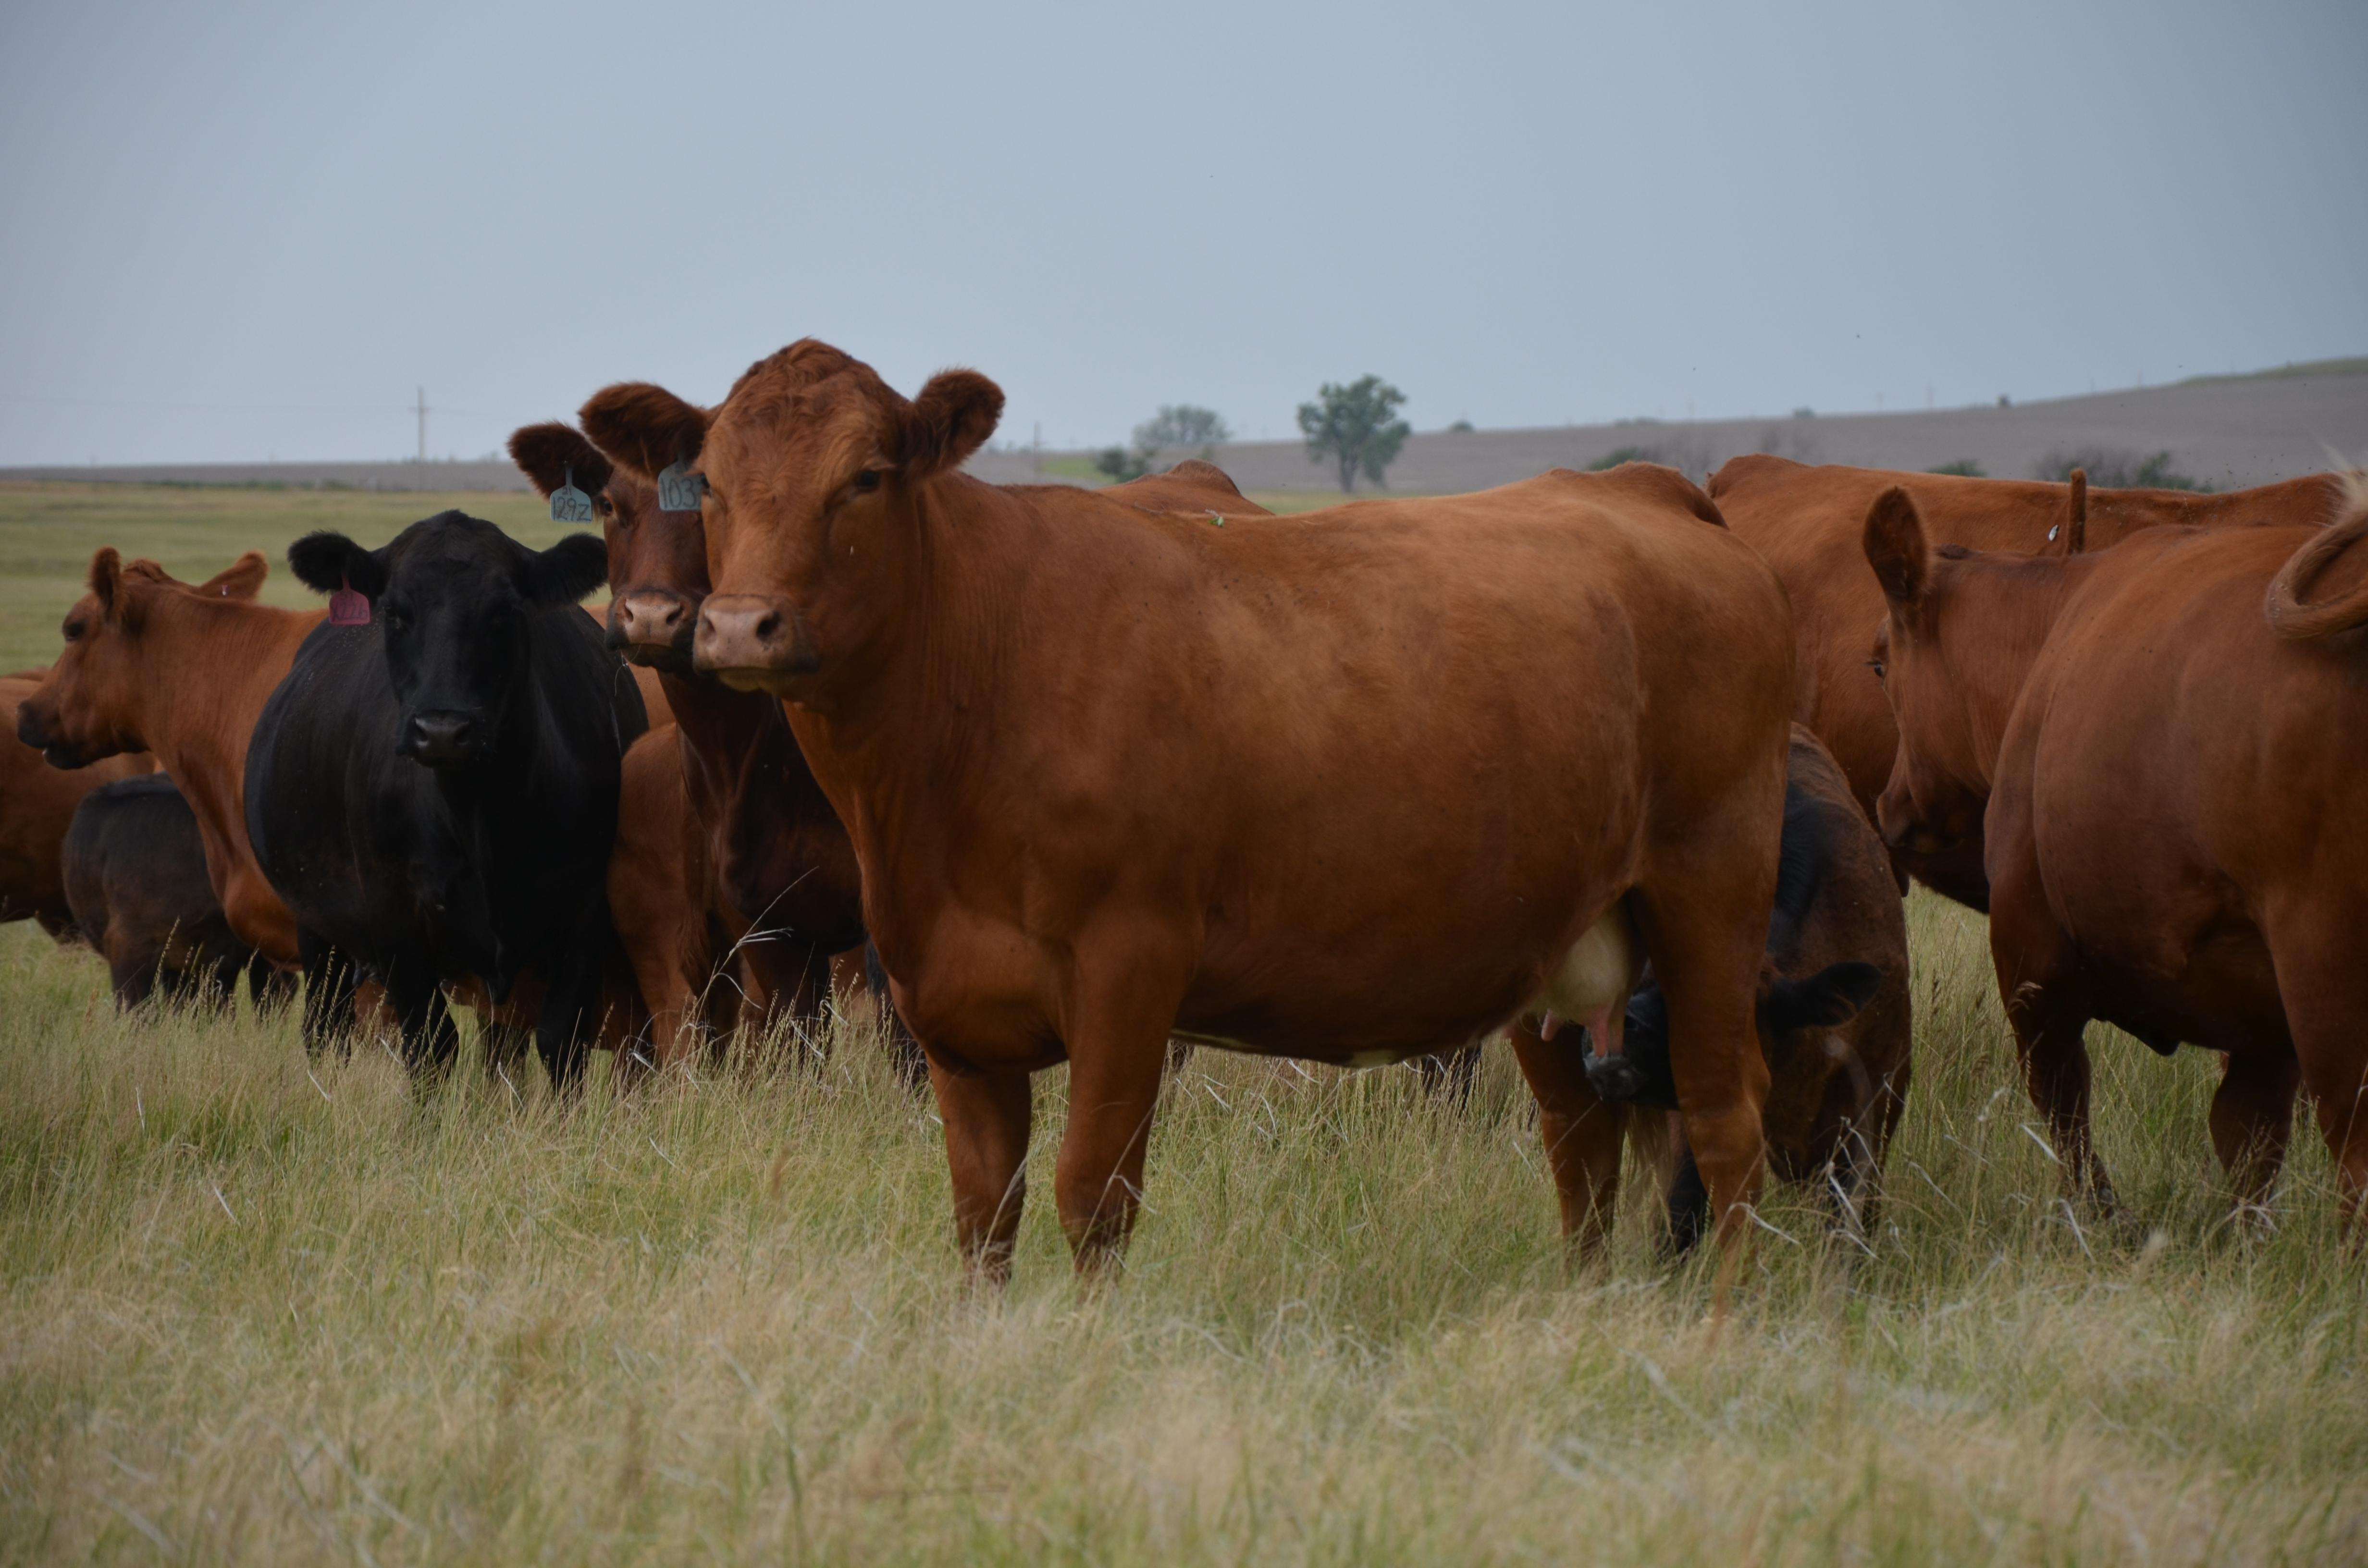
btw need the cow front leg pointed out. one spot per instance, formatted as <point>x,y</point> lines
<point>1116,1027</point>
<point>328,1018</point>
<point>987,1117</point>
<point>1582,1133</point>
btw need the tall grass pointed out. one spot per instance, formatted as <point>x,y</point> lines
<point>254,1310</point>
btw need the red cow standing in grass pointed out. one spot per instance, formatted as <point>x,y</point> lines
<point>2163,746</point>
<point>1341,786</point>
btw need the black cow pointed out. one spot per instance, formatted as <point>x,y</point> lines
<point>135,878</point>
<point>433,794</point>
<point>1834,1010</point>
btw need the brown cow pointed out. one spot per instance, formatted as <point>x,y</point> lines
<point>2168,781</point>
<point>771,891</point>
<point>37,805</point>
<point>1806,522</point>
<point>1341,786</point>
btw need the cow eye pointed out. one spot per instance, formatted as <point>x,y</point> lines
<point>1877,666</point>
<point>867,482</point>
<point>74,629</point>
<point>396,620</point>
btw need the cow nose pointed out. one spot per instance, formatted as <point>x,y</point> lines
<point>748,635</point>
<point>30,727</point>
<point>1614,1077</point>
<point>434,739</point>
<point>651,620</point>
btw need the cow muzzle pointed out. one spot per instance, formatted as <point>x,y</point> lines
<point>653,627</point>
<point>33,729</point>
<point>751,641</point>
<point>442,740</point>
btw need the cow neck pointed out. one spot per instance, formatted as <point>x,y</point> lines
<point>893,755</point>
<point>2002,611</point>
<point>206,668</point>
<point>720,729</point>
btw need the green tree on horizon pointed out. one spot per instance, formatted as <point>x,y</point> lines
<point>1353,427</point>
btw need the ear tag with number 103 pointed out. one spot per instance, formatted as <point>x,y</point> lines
<point>347,607</point>
<point>679,489</point>
<point>569,505</point>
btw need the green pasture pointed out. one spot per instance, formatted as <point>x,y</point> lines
<point>259,1309</point>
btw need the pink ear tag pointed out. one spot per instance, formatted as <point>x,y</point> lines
<point>347,607</point>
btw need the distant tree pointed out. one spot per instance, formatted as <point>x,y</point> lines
<point>1461,427</point>
<point>1180,426</point>
<point>1352,426</point>
<point>1122,464</point>
<point>1965,467</point>
<point>2111,469</point>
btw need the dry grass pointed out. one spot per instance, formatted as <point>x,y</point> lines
<point>249,1313</point>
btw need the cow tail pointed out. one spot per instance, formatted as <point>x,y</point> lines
<point>2290,618</point>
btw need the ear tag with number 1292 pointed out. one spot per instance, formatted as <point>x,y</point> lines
<point>347,607</point>
<point>569,505</point>
<point>679,489</point>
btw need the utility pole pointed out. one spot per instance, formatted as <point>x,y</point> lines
<point>421,408</point>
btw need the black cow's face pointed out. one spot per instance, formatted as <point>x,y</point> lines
<point>1641,1074</point>
<point>451,599</point>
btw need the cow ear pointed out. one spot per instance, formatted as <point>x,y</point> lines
<point>1831,997</point>
<point>242,579</point>
<point>1895,547</point>
<point>325,562</point>
<point>568,570</point>
<point>106,581</point>
<point>2075,520</point>
<point>952,418</point>
<point>550,454</point>
<point>644,427</point>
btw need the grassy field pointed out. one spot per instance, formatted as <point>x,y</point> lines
<point>252,1309</point>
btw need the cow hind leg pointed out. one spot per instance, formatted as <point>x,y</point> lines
<point>1706,925</point>
<point>2252,1116</point>
<point>2323,982</point>
<point>1582,1133</point>
<point>2048,1007</point>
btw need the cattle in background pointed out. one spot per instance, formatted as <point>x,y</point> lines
<point>1806,521</point>
<point>1836,1020</point>
<point>1343,786</point>
<point>183,669</point>
<point>734,861</point>
<point>2168,778</point>
<point>37,805</point>
<point>135,874</point>
<point>434,793</point>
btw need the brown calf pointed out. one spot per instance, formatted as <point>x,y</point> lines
<point>1806,521</point>
<point>1342,786</point>
<point>2167,778</point>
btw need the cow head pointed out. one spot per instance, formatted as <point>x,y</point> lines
<point>1784,1009</point>
<point>93,703</point>
<point>657,560</point>
<point>451,597</point>
<point>816,475</point>
<point>1939,787</point>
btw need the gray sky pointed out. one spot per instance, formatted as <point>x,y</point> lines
<point>243,231</point>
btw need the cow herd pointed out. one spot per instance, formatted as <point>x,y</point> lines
<point>1630,771</point>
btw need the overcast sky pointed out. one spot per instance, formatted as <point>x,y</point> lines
<point>236,231</point>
